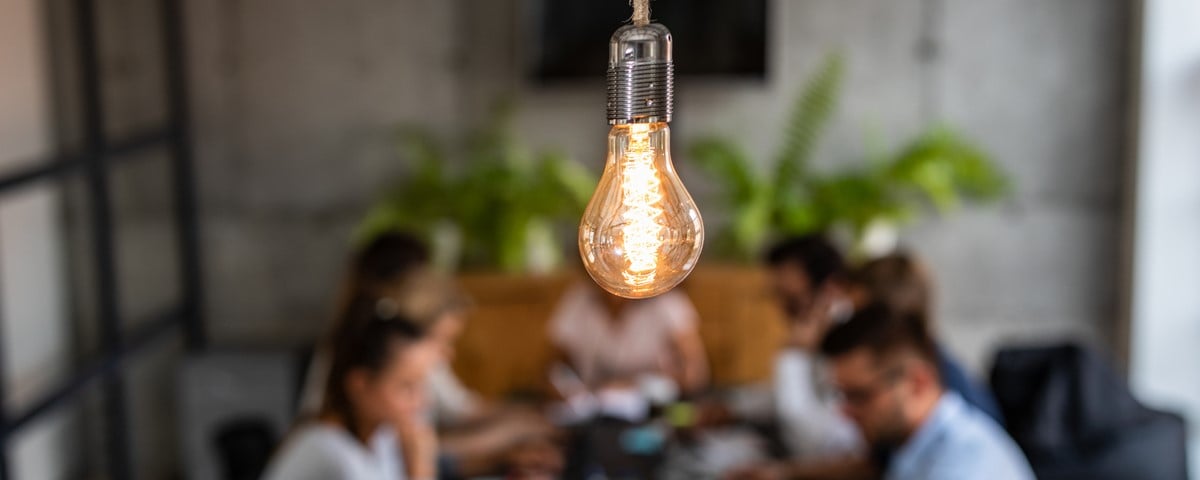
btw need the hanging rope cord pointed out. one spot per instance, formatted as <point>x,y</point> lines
<point>641,12</point>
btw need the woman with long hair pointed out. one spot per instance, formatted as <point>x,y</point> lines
<point>369,426</point>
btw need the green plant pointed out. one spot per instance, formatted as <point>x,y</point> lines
<point>505,205</point>
<point>939,168</point>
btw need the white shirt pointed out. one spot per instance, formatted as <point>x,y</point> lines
<point>637,344</point>
<point>450,401</point>
<point>325,452</point>
<point>812,425</point>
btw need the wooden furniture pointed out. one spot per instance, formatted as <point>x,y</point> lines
<point>505,349</point>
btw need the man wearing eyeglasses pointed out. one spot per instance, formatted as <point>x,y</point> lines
<point>885,367</point>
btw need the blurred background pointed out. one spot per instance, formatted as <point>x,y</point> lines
<point>181,184</point>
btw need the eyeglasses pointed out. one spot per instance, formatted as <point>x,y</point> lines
<point>857,397</point>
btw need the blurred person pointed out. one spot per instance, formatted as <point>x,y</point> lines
<point>613,342</point>
<point>369,426</point>
<point>474,434</point>
<point>809,278</point>
<point>372,269</point>
<point>808,275</point>
<point>885,367</point>
<point>902,282</point>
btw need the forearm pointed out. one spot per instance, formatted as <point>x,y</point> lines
<point>473,454</point>
<point>421,465</point>
<point>693,373</point>
<point>419,447</point>
<point>692,377</point>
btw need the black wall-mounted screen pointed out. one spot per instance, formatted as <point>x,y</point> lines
<point>713,38</point>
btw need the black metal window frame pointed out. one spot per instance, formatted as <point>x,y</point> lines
<point>93,160</point>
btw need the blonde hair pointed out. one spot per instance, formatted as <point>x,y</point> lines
<point>424,296</point>
<point>899,281</point>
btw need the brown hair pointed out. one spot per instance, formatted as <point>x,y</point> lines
<point>423,296</point>
<point>394,268</point>
<point>371,335</point>
<point>377,263</point>
<point>813,253</point>
<point>385,258</point>
<point>882,331</point>
<point>898,281</point>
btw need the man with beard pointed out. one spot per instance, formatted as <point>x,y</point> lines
<point>885,366</point>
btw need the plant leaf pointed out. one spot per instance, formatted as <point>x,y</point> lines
<point>856,198</point>
<point>945,169</point>
<point>751,225</point>
<point>724,160</point>
<point>810,115</point>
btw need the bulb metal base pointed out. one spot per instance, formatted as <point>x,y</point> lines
<point>641,75</point>
<point>641,93</point>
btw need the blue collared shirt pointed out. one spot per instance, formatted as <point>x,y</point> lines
<point>959,442</point>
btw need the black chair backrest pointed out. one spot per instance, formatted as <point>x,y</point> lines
<point>1076,418</point>
<point>244,446</point>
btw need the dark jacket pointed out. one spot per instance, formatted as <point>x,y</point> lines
<point>956,379</point>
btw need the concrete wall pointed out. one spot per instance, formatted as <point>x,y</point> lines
<point>1042,86</point>
<point>1039,84</point>
<point>292,102</point>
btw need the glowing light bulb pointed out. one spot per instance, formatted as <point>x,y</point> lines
<point>641,233</point>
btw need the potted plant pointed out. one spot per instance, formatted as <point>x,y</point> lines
<point>939,168</point>
<point>503,209</point>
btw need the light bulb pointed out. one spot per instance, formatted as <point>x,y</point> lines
<point>641,234</point>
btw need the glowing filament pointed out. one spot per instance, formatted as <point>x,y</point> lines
<point>641,194</point>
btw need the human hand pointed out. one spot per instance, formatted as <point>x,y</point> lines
<point>806,330</point>
<point>418,443</point>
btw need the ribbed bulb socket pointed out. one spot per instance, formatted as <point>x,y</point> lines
<point>641,75</point>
